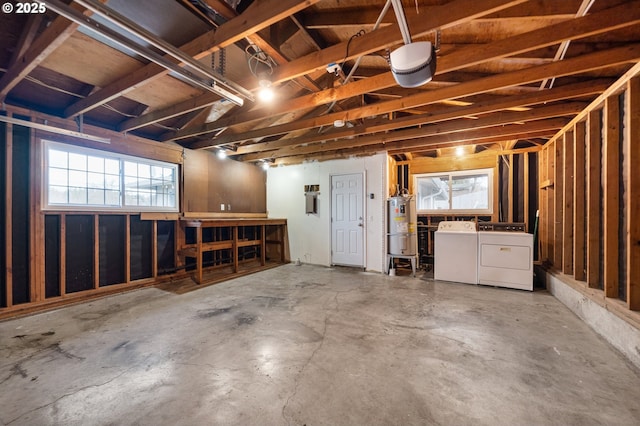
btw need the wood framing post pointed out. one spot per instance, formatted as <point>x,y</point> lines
<point>611,186</point>
<point>567,204</point>
<point>154,249</point>
<point>127,249</point>
<point>63,254</point>
<point>36,245</point>
<point>579,214</point>
<point>96,251</point>
<point>263,245</point>
<point>594,158</point>
<point>558,204</point>
<point>525,190</point>
<point>543,204</point>
<point>512,199</point>
<point>8,209</point>
<point>632,139</point>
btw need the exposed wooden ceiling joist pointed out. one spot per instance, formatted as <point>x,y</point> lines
<point>55,34</point>
<point>380,125</point>
<point>259,15</point>
<point>568,67</point>
<point>496,119</point>
<point>581,27</point>
<point>492,56</point>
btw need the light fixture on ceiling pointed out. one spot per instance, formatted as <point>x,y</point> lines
<point>266,163</point>
<point>459,151</point>
<point>265,93</point>
<point>413,64</point>
<point>221,154</point>
<point>261,66</point>
<point>338,123</point>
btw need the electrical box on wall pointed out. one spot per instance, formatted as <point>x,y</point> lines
<point>311,193</point>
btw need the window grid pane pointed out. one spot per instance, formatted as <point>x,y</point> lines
<point>455,192</point>
<point>77,179</point>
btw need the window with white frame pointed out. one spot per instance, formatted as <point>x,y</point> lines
<point>88,178</point>
<point>465,192</point>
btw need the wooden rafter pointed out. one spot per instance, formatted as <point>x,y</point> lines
<point>571,66</point>
<point>55,34</point>
<point>258,16</point>
<point>580,27</point>
<point>460,125</point>
<point>375,126</point>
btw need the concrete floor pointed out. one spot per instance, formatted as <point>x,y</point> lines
<point>306,345</point>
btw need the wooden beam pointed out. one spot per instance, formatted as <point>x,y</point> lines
<point>37,232</point>
<point>310,63</point>
<point>526,192</point>
<point>632,141</point>
<point>558,197</point>
<point>594,156</point>
<point>567,203</point>
<point>96,251</point>
<point>52,37</point>
<point>330,19</point>
<point>479,137</point>
<point>571,66</point>
<point>8,232</point>
<point>63,254</point>
<point>454,13</point>
<point>27,36</point>
<point>127,249</point>
<point>384,125</point>
<point>258,16</point>
<point>611,193</point>
<point>154,249</point>
<point>461,125</point>
<point>580,27</point>
<point>510,193</point>
<point>579,212</point>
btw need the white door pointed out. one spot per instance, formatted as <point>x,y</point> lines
<point>347,220</point>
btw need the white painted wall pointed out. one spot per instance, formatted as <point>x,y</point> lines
<point>310,234</point>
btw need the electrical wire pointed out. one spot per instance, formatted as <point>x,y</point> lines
<point>259,62</point>
<point>346,55</point>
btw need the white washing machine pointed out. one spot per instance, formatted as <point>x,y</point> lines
<point>455,254</point>
<point>505,259</point>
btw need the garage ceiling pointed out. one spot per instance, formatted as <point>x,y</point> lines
<point>510,73</point>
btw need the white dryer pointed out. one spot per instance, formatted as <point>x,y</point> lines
<point>455,254</point>
<point>505,259</point>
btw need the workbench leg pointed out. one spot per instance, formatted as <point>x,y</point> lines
<point>199,255</point>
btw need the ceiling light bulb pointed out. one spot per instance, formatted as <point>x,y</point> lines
<point>222,154</point>
<point>265,166</point>
<point>459,151</point>
<point>266,94</point>
<point>338,123</point>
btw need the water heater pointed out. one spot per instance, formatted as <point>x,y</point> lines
<point>402,226</point>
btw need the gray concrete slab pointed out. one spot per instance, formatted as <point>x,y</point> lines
<point>307,345</point>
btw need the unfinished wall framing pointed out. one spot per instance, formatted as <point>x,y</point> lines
<point>515,176</point>
<point>589,184</point>
<point>51,258</point>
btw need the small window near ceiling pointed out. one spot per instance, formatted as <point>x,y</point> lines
<point>89,179</point>
<point>467,192</point>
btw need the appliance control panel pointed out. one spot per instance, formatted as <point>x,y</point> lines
<point>502,226</point>
<point>457,226</point>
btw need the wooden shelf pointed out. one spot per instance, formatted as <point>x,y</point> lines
<point>256,227</point>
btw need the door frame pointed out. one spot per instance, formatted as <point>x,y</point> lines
<point>363,173</point>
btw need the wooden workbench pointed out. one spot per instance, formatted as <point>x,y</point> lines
<point>230,235</point>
